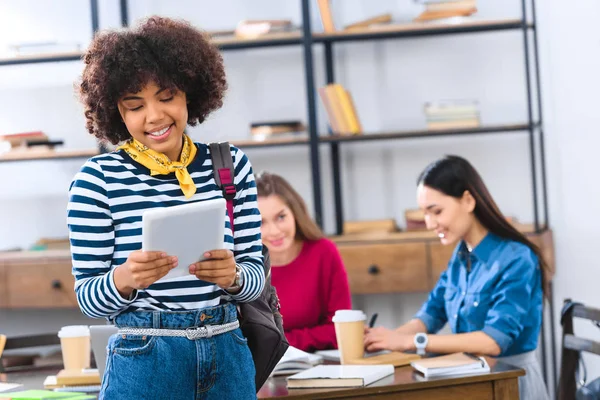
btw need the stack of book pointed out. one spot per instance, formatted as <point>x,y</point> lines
<point>250,29</point>
<point>436,10</point>
<point>415,220</point>
<point>451,364</point>
<point>43,48</point>
<point>340,109</point>
<point>267,130</point>
<point>27,141</point>
<point>452,114</point>
<point>87,381</point>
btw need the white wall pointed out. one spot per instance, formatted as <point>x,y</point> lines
<point>390,80</point>
<point>571,61</point>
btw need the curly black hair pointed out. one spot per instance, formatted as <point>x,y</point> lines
<point>172,53</point>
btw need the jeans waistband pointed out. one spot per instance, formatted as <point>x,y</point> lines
<point>217,315</point>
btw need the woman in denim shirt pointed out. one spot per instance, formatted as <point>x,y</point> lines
<point>492,292</point>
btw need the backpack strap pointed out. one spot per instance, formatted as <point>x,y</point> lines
<point>220,154</point>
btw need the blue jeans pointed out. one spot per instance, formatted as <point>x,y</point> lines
<point>173,368</point>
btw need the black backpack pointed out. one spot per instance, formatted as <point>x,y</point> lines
<point>260,320</point>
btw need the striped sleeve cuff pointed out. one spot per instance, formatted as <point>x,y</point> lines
<point>98,296</point>
<point>502,339</point>
<point>254,282</point>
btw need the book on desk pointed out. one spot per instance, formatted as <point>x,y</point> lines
<point>451,364</point>
<point>295,360</point>
<point>339,376</point>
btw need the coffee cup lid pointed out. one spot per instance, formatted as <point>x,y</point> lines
<point>349,316</point>
<point>74,331</point>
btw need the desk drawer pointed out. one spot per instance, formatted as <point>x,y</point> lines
<point>386,267</point>
<point>40,284</point>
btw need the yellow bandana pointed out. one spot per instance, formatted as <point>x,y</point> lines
<point>159,164</point>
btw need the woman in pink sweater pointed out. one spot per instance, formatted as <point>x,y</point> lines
<point>307,272</point>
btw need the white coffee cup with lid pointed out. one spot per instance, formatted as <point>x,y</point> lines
<point>75,346</point>
<point>350,334</point>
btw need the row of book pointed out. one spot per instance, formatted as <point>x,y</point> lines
<point>433,10</point>
<point>341,112</point>
<point>310,371</point>
<point>27,141</point>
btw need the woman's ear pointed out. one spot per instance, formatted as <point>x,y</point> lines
<point>468,201</point>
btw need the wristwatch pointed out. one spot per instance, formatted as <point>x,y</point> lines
<point>421,343</point>
<point>238,282</point>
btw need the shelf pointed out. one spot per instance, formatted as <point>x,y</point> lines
<point>424,133</point>
<point>41,58</point>
<point>244,144</point>
<point>295,38</point>
<point>268,40</point>
<point>283,142</point>
<point>47,155</point>
<point>420,29</point>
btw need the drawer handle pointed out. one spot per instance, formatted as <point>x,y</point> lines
<point>56,284</point>
<point>374,270</point>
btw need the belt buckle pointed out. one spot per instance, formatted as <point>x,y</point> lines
<point>190,333</point>
<point>196,333</point>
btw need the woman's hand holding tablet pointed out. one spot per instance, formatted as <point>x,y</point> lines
<point>218,268</point>
<point>142,269</point>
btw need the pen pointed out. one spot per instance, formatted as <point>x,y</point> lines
<point>372,321</point>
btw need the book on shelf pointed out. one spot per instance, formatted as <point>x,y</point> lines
<point>415,219</point>
<point>326,16</point>
<point>366,23</point>
<point>335,376</point>
<point>340,109</point>
<point>250,29</point>
<point>265,130</point>
<point>43,48</point>
<point>452,114</point>
<point>438,10</point>
<point>379,225</point>
<point>451,364</point>
<point>295,360</point>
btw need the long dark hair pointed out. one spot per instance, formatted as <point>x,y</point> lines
<point>453,175</point>
<point>270,184</point>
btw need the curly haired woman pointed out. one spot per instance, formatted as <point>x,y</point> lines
<point>141,87</point>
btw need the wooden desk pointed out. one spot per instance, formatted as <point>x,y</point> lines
<point>500,384</point>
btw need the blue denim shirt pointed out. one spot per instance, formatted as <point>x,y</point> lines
<point>501,295</point>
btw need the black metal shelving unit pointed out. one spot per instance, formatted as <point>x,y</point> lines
<point>534,128</point>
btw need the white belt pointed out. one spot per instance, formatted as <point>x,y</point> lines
<point>206,331</point>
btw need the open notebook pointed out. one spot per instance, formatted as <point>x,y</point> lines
<point>295,360</point>
<point>451,364</point>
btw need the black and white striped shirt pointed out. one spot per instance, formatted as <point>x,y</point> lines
<point>107,199</point>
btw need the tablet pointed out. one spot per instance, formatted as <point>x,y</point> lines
<point>186,231</point>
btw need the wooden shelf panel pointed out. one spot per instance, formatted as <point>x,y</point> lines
<point>420,29</point>
<point>271,142</point>
<point>269,40</point>
<point>425,133</point>
<point>47,155</point>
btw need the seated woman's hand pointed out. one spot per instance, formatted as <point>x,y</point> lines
<point>386,339</point>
